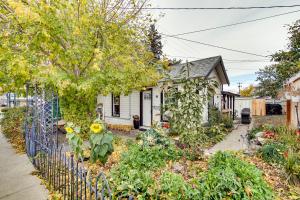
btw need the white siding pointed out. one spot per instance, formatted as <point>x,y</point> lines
<point>135,103</point>
<point>156,104</point>
<point>218,96</point>
<point>129,106</point>
<point>242,102</point>
<point>124,107</point>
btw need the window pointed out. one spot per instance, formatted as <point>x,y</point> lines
<point>116,105</point>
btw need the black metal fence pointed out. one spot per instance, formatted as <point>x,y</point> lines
<point>60,169</point>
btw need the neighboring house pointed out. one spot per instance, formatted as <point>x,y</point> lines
<point>147,104</point>
<point>292,96</point>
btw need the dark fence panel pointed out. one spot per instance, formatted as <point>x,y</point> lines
<point>60,169</point>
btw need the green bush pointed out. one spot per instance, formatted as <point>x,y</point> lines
<point>127,181</point>
<point>146,158</point>
<point>229,177</point>
<point>152,137</point>
<point>273,152</point>
<point>253,131</point>
<point>216,131</point>
<point>194,143</point>
<point>215,116</point>
<point>292,167</point>
<point>173,186</point>
<point>12,125</point>
<point>227,122</point>
<point>134,174</point>
<point>288,137</point>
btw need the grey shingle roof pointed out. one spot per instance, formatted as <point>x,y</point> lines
<point>197,68</point>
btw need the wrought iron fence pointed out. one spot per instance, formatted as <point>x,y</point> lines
<point>60,169</point>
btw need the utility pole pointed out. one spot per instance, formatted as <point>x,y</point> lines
<point>239,86</point>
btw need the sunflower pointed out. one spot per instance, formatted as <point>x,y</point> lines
<point>96,128</point>
<point>69,130</point>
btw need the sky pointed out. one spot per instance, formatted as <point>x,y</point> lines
<point>261,37</point>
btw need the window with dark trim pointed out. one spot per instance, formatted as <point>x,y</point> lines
<point>116,105</point>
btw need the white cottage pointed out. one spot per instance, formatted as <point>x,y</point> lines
<point>119,110</point>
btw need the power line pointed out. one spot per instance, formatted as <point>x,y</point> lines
<point>219,8</point>
<point>215,46</point>
<point>239,86</point>
<point>234,24</point>
<point>228,60</point>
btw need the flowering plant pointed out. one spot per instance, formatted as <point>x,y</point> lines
<point>100,141</point>
<point>74,139</point>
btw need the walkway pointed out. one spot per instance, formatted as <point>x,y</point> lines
<point>15,179</point>
<point>235,141</point>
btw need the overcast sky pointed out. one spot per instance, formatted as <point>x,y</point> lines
<point>261,37</point>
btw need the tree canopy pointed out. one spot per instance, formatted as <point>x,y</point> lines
<point>272,78</point>
<point>248,91</point>
<point>81,48</point>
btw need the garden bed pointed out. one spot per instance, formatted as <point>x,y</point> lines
<point>279,158</point>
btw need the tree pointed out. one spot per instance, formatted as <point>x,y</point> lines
<point>268,84</point>
<point>155,42</point>
<point>185,101</point>
<point>184,105</point>
<point>272,78</point>
<point>81,48</point>
<point>248,91</point>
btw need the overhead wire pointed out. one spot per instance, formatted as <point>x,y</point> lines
<point>219,8</point>
<point>234,24</point>
<point>228,60</point>
<point>216,46</point>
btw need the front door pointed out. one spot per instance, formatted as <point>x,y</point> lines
<point>147,101</point>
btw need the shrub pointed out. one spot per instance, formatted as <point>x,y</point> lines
<point>173,186</point>
<point>292,167</point>
<point>273,152</point>
<point>288,137</point>
<point>252,133</point>
<point>12,127</point>
<point>229,177</point>
<point>152,137</point>
<point>133,175</point>
<point>217,132</point>
<point>131,182</point>
<point>227,122</point>
<point>148,158</point>
<point>215,116</point>
<point>195,142</point>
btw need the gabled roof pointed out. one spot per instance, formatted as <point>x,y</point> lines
<point>294,78</point>
<point>200,68</point>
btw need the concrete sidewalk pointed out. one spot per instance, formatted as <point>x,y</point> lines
<point>16,183</point>
<point>234,141</point>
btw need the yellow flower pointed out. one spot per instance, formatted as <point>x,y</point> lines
<point>69,130</point>
<point>96,128</point>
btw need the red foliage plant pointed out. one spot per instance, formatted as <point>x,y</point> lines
<point>269,135</point>
<point>166,125</point>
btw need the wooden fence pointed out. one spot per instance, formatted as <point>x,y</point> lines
<point>259,107</point>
